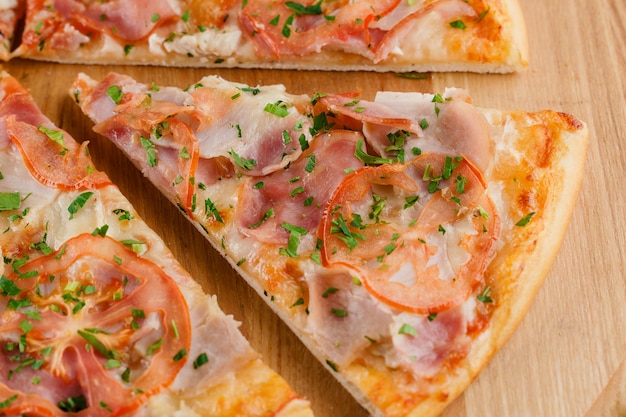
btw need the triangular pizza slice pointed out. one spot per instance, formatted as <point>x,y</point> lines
<point>402,239</point>
<point>97,318</point>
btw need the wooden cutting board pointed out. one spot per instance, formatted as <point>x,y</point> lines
<point>567,351</point>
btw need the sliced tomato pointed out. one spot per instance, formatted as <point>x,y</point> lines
<point>53,157</point>
<point>171,129</point>
<point>342,240</point>
<point>68,167</point>
<point>40,29</point>
<point>396,258</point>
<point>102,329</point>
<point>187,162</point>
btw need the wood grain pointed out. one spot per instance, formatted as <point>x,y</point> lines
<point>561,359</point>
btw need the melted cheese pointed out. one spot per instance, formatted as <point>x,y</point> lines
<point>211,42</point>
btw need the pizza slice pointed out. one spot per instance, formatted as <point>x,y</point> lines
<point>401,238</point>
<point>97,318</point>
<point>390,35</point>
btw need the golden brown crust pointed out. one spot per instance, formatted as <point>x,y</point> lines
<point>254,390</point>
<point>555,161</point>
<point>554,147</point>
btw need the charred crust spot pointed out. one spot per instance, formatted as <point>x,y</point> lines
<point>526,201</point>
<point>570,122</point>
<point>545,153</point>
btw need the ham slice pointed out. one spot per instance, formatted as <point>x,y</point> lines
<point>129,21</point>
<point>298,195</point>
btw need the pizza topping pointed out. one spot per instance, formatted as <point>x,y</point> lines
<point>423,344</point>
<point>369,28</point>
<point>261,130</point>
<point>342,317</point>
<point>294,32</point>
<point>184,132</point>
<point>407,16</point>
<point>525,220</point>
<point>92,322</point>
<point>394,124</point>
<point>290,201</point>
<point>400,253</point>
<point>53,161</point>
<point>127,21</point>
<point>367,111</point>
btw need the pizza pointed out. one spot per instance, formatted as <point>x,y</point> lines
<point>389,35</point>
<point>97,318</point>
<point>401,237</point>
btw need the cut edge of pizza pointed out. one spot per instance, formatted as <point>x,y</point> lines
<point>98,317</point>
<point>391,35</point>
<point>402,239</point>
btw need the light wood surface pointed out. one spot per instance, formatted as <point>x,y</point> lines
<point>564,358</point>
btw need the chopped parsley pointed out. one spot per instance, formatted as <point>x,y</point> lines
<point>242,162</point>
<point>295,233</point>
<point>408,330</point>
<point>338,312</point>
<point>73,404</point>
<point>525,220</point>
<point>269,213</point>
<point>180,355</point>
<point>485,296</point>
<point>10,201</point>
<point>55,136</point>
<point>150,148</point>
<point>200,360</point>
<point>310,165</point>
<point>329,291</point>
<point>367,159</point>
<point>78,203</point>
<point>8,401</point>
<point>277,109</point>
<point>300,9</point>
<point>115,93</point>
<point>458,24</point>
<point>211,210</point>
<point>339,226</point>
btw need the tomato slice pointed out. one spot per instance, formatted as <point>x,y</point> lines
<point>98,327</point>
<point>376,225</point>
<point>50,154</point>
<point>176,149</point>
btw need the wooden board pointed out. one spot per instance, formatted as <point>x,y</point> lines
<point>567,351</point>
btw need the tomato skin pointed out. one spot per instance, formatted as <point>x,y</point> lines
<point>378,252</point>
<point>116,290</point>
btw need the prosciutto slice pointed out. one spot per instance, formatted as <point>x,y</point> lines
<point>126,20</point>
<point>298,195</point>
